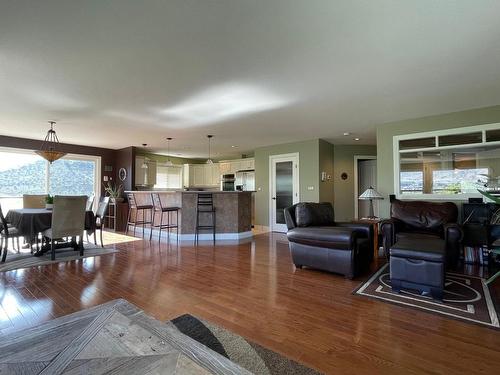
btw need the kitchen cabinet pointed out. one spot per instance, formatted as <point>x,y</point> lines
<point>233,166</point>
<point>145,176</point>
<point>202,175</point>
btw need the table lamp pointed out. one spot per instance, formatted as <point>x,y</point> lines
<point>371,194</point>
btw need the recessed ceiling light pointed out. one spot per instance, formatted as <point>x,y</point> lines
<point>356,139</point>
<point>234,146</point>
<point>346,134</point>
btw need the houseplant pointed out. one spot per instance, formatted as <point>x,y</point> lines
<point>114,192</point>
<point>49,202</point>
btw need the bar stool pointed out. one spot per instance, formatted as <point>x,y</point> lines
<point>158,208</point>
<point>205,205</point>
<point>132,219</point>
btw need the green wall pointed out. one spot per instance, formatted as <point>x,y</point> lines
<point>325,165</point>
<point>385,133</point>
<point>344,189</point>
<point>308,175</point>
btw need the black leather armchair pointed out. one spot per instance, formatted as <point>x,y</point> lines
<point>424,220</point>
<point>317,241</point>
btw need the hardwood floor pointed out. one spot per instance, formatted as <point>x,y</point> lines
<point>254,290</point>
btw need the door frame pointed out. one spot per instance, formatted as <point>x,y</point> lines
<point>357,158</point>
<point>296,183</point>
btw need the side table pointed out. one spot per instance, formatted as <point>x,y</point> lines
<point>375,224</point>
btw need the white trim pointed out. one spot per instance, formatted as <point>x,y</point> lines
<point>436,134</point>
<point>294,157</point>
<point>190,236</point>
<point>357,158</point>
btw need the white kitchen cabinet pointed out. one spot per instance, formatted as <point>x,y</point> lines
<point>233,166</point>
<point>225,168</point>
<point>247,164</point>
<point>202,175</point>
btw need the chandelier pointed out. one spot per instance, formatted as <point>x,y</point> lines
<point>49,149</point>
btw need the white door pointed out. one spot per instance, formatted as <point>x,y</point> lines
<point>284,188</point>
<point>367,176</point>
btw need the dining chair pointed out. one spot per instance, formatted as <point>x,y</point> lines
<point>7,231</point>
<point>102,208</point>
<point>90,202</point>
<point>68,220</point>
<point>34,200</point>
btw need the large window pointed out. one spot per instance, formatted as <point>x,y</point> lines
<point>448,164</point>
<point>168,177</point>
<point>24,172</point>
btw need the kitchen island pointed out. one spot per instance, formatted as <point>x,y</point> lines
<point>233,213</point>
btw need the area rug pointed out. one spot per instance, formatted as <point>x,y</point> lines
<point>466,298</point>
<point>247,354</point>
<point>17,261</point>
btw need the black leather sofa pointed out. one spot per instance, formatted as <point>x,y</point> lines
<point>422,220</point>
<point>317,241</point>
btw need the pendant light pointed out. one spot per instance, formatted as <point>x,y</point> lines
<point>49,149</point>
<point>169,162</point>
<point>145,162</point>
<point>209,160</point>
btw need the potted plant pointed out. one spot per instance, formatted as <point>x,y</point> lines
<point>49,202</point>
<point>114,192</point>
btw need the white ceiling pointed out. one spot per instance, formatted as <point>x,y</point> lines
<point>117,73</point>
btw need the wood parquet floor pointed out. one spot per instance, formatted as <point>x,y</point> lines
<point>254,290</point>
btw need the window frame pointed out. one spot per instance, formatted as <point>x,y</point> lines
<point>455,131</point>
<point>93,158</point>
<point>177,166</point>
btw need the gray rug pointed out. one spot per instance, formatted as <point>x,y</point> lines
<point>247,354</point>
<point>17,261</point>
<point>466,297</point>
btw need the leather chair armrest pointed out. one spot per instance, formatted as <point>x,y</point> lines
<point>363,230</point>
<point>453,235</point>
<point>290,217</point>
<point>389,228</point>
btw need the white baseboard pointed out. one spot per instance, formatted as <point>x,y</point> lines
<point>190,237</point>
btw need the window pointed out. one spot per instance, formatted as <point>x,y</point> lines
<point>455,165</point>
<point>24,172</point>
<point>168,177</point>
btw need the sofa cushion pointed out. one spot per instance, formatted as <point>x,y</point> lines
<point>419,248</point>
<point>314,214</point>
<point>329,237</point>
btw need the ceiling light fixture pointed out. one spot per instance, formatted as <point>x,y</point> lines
<point>144,163</point>
<point>346,134</point>
<point>49,149</point>
<point>169,162</point>
<point>356,139</point>
<point>234,146</point>
<point>209,160</point>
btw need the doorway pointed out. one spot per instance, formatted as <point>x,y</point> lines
<point>284,188</point>
<point>365,175</point>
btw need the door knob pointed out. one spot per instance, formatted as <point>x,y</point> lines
<point>274,198</point>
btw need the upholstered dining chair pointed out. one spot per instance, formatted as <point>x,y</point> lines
<point>102,208</point>
<point>34,201</point>
<point>7,232</point>
<point>90,202</point>
<point>68,220</point>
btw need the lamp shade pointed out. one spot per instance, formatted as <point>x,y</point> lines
<point>371,193</point>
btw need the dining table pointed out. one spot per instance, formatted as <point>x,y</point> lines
<point>31,221</point>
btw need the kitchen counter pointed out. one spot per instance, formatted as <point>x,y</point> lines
<point>233,211</point>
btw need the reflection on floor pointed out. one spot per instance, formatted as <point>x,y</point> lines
<point>253,289</point>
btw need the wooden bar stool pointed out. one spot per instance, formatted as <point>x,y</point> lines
<point>205,205</point>
<point>133,212</point>
<point>160,209</point>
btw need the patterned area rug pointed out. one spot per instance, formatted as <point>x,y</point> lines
<point>466,298</point>
<point>247,354</point>
<point>16,261</point>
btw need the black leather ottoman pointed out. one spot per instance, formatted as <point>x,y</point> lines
<point>419,263</point>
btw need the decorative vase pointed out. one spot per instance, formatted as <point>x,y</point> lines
<point>49,206</point>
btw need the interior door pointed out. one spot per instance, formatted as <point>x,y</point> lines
<point>367,176</point>
<point>284,171</point>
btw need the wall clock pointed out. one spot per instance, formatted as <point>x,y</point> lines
<point>122,174</point>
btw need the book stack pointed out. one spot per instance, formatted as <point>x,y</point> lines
<point>476,255</point>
